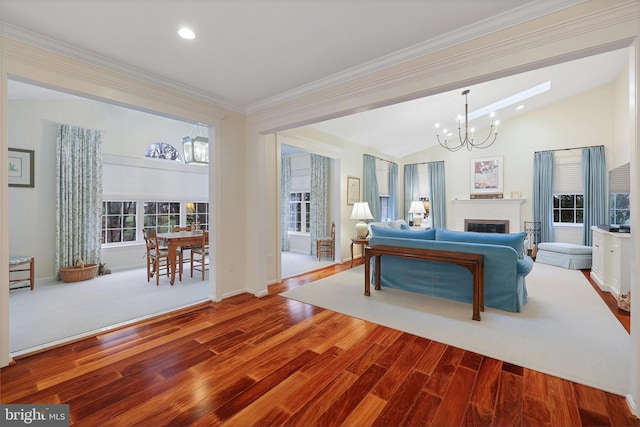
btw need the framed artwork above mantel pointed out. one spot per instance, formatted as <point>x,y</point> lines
<point>21,168</point>
<point>487,177</point>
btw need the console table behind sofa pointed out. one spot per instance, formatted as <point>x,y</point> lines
<point>473,262</point>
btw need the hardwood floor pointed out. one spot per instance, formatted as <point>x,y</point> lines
<point>623,316</point>
<point>274,361</point>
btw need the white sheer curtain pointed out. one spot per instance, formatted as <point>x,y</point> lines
<point>78,195</point>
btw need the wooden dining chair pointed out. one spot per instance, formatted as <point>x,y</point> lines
<point>199,255</point>
<point>158,257</point>
<point>327,245</point>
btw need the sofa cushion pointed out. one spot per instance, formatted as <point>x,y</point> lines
<point>515,240</point>
<point>403,234</point>
<point>399,224</point>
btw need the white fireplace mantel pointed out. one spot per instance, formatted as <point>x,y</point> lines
<point>494,209</point>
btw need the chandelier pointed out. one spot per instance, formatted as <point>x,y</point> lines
<point>468,140</point>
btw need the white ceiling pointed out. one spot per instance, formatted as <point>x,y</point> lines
<point>252,54</point>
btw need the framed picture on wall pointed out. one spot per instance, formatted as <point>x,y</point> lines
<point>21,170</point>
<point>353,190</point>
<point>486,175</point>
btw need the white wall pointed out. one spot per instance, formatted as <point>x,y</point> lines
<point>622,104</point>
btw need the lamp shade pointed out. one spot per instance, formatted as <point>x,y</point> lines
<point>361,211</point>
<point>417,208</point>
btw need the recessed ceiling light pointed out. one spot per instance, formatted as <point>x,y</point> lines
<point>519,107</point>
<point>187,33</point>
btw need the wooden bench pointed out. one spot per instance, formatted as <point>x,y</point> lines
<point>473,262</point>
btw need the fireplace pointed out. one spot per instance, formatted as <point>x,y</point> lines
<point>487,211</point>
<point>487,225</point>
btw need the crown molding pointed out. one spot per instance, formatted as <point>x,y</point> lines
<point>51,45</point>
<point>442,66</point>
<point>107,82</point>
<point>488,26</point>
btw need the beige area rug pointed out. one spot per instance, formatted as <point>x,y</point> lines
<point>565,329</point>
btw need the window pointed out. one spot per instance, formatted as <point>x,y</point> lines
<point>619,212</point>
<point>300,212</point>
<point>620,190</point>
<point>384,207</point>
<point>162,150</point>
<point>161,215</point>
<point>119,222</point>
<point>383,169</point>
<point>198,214</point>
<point>568,198</point>
<point>568,208</point>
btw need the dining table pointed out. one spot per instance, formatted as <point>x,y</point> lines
<point>177,239</point>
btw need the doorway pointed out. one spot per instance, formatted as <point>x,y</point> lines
<point>129,175</point>
<point>307,187</point>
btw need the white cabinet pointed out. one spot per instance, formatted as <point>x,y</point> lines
<point>610,261</point>
<point>597,257</point>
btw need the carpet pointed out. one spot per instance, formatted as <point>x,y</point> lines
<point>293,264</point>
<point>565,329</point>
<point>56,311</point>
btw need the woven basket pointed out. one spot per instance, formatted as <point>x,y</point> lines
<point>79,272</point>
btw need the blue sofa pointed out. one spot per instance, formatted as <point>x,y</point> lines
<point>505,265</point>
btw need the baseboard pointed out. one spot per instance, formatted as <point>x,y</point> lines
<point>245,291</point>
<point>632,406</point>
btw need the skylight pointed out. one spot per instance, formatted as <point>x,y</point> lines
<point>511,100</point>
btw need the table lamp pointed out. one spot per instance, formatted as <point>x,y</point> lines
<point>417,209</point>
<point>361,212</point>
